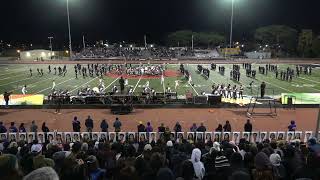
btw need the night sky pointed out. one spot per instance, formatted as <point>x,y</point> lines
<point>33,21</point>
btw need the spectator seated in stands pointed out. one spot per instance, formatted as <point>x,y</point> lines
<point>158,155</point>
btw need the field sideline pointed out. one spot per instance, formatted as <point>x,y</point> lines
<point>14,76</point>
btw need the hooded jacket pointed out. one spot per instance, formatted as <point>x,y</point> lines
<point>197,164</point>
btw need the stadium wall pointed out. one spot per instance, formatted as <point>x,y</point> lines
<point>39,54</point>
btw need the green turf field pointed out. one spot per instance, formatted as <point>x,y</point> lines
<point>14,76</point>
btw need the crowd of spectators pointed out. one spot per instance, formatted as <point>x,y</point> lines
<point>133,53</point>
<point>162,159</point>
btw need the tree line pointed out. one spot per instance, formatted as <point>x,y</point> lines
<point>280,40</point>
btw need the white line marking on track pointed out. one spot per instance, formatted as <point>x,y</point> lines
<point>12,72</point>
<point>310,80</point>
<point>277,86</point>
<point>33,83</point>
<point>111,83</point>
<point>83,84</point>
<point>11,77</point>
<point>15,81</point>
<point>194,89</point>
<point>56,85</point>
<point>137,84</point>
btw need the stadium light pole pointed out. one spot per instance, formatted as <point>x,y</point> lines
<point>69,29</point>
<point>231,22</point>
<point>50,41</point>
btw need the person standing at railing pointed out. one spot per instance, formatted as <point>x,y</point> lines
<point>248,126</point>
<point>292,126</point>
<point>89,124</point>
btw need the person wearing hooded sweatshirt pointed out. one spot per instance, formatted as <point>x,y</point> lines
<point>197,164</point>
<point>279,169</point>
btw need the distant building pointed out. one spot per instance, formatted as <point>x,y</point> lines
<point>258,55</point>
<point>38,54</point>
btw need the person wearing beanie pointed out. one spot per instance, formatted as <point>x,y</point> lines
<point>3,129</point>
<point>239,175</point>
<point>165,173</point>
<point>141,127</point>
<point>39,160</point>
<point>9,167</point>
<point>197,164</point>
<point>313,145</point>
<point>59,158</point>
<point>292,126</point>
<point>216,146</point>
<point>44,173</point>
<point>263,167</point>
<point>149,128</point>
<point>93,168</point>
<point>236,163</point>
<point>147,147</point>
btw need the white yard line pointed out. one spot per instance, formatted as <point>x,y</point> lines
<point>111,83</point>
<point>164,88</point>
<point>11,77</point>
<point>83,84</point>
<point>56,85</point>
<point>15,81</point>
<point>277,86</point>
<point>310,80</point>
<point>136,84</point>
<point>13,72</point>
<point>194,89</point>
<point>34,83</point>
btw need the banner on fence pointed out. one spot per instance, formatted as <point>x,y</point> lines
<point>300,98</point>
<point>20,99</point>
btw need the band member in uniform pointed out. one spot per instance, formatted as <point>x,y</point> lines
<point>241,91</point>
<point>24,89</point>
<point>126,82</point>
<point>162,78</point>
<point>6,97</point>
<point>263,87</point>
<point>121,82</point>
<point>53,85</point>
<point>176,84</point>
<point>190,79</point>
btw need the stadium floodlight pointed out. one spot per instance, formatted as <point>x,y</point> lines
<point>18,51</point>
<point>267,45</point>
<point>67,52</point>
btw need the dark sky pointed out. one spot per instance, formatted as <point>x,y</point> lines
<point>34,20</point>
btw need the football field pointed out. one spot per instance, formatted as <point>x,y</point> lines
<point>14,76</point>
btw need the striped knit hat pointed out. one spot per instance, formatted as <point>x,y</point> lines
<point>221,161</point>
